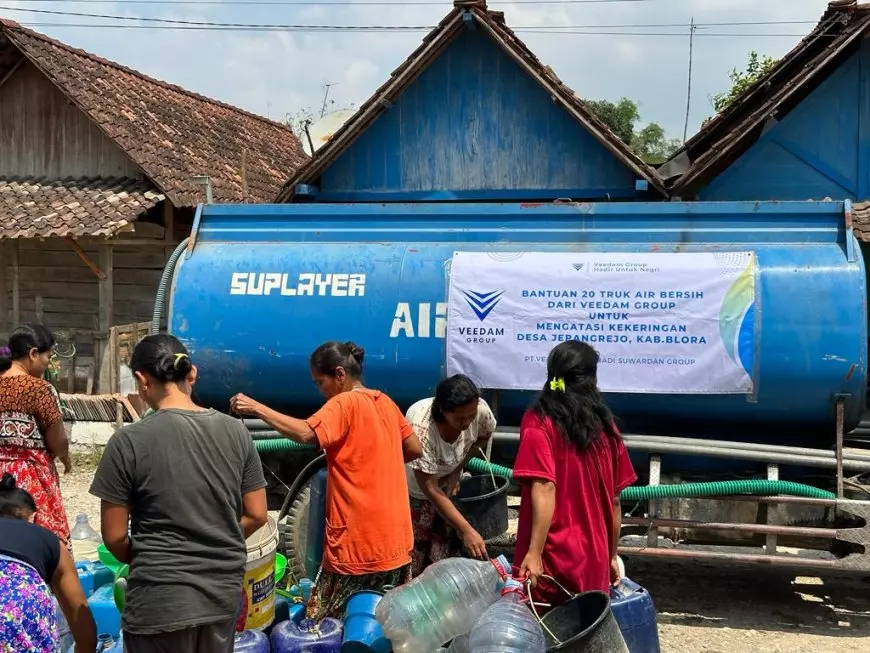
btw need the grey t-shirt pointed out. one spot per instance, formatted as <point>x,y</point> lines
<point>182,474</point>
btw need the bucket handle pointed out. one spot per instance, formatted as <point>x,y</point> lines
<point>535,610</point>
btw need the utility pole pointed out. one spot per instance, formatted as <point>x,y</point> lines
<point>326,88</point>
<point>692,28</point>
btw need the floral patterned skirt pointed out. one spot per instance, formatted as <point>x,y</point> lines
<point>28,623</point>
<point>331,591</point>
<point>434,538</point>
<point>34,471</point>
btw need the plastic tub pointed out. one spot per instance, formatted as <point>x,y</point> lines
<point>484,506</point>
<point>584,623</point>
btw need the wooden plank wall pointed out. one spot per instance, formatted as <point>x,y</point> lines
<point>44,134</point>
<point>57,289</point>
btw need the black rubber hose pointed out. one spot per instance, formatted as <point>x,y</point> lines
<point>302,478</point>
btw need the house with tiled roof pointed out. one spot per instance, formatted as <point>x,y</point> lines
<point>101,170</point>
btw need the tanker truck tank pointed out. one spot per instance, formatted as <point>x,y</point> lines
<point>263,285</point>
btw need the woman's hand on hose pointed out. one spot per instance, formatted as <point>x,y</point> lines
<point>473,543</point>
<point>532,568</point>
<point>242,404</point>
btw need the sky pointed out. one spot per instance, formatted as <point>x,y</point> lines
<point>281,73</point>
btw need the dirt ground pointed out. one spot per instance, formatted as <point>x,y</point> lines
<point>703,608</point>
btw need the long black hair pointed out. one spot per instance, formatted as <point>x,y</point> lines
<point>571,398</point>
<point>453,392</point>
<point>331,355</point>
<point>15,502</point>
<point>22,341</point>
<point>162,357</point>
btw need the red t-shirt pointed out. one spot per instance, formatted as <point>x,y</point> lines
<point>578,546</point>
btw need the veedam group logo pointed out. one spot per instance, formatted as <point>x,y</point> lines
<point>482,305</point>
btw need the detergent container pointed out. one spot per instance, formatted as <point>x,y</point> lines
<point>251,641</point>
<point>307,637</point>
<point>259,583</point>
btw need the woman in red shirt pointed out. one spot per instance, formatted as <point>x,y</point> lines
<point>572,465</point>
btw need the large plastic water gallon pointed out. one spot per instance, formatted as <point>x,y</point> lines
<point>106,613</point>
<point>84,540</point>
<point>307,637</point>
<point>508,626</point>
<point>459,645</point>
<point>635,613</point>
<point>443,602</point>
<point>251,641</point>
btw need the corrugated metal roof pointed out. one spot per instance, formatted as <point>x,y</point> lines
<point>728,135</point>
<point>94,408</point>
<point>434,43</point>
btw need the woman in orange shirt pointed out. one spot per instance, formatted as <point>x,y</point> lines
<point>369,539</point>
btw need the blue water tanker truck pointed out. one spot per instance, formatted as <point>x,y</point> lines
<point>256,288</point>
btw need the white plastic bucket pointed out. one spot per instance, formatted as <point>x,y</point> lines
<point>259,580</point>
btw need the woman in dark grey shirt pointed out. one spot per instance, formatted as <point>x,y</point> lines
<point>191,483</point>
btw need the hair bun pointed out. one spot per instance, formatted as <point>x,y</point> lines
<point>8,483</point>
<point>356,351</point>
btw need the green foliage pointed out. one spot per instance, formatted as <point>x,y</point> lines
<point>756,67</point>
<point>652,146</point>
<point>619,116</point>
<point>649,142</point>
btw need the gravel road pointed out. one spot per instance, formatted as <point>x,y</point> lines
<point>703,608</point>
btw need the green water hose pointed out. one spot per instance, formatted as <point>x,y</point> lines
<point>274,445</point>
<point>757,487</point>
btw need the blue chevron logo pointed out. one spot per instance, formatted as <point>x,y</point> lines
<point>482,303</point>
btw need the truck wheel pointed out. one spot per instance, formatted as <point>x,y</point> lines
<point>293,533</point>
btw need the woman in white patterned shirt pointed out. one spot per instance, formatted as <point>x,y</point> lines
<point>452,426</point>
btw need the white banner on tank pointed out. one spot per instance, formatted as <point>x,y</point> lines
<point>662,322</point>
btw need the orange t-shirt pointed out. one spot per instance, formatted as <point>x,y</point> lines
<point>368,514</point>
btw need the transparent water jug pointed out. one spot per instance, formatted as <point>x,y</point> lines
<point>459,645</point>
<point>508,626</point>
<point>85,540</point>
<point>441,603</point>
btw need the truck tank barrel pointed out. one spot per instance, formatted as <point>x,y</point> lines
<point>264,285</point>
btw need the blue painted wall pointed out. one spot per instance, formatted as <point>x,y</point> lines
<point>821,149</point>
<point>474,125</point>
